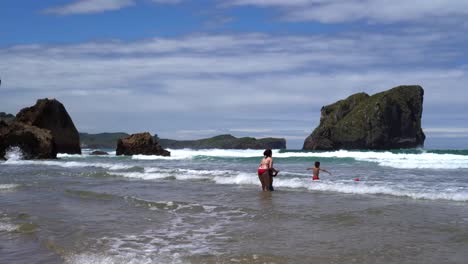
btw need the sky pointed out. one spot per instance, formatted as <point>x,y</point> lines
<point>190,69</point>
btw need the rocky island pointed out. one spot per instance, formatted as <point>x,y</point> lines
<point>40,131</point>
<point>386,120</point>
<point>141,143</point>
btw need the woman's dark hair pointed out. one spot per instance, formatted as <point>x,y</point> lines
<point>317,164</point>
<point>267,153</point>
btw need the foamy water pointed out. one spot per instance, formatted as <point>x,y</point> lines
<point>423,181</point>
<point>206,206</point>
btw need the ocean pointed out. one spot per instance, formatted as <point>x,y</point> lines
<point>206,206</point>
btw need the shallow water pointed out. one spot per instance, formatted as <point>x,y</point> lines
<point>206,207</point>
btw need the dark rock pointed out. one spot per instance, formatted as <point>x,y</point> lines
<point>6,118</point>
<point>142,143</point>
<point>387,120</point>
<point>3,124</point>
<point>98,152</point>
<point>225,142</point>
<point>34,142</point>
<point>52,115</point>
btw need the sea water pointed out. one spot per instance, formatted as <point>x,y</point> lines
<point>206,206</point>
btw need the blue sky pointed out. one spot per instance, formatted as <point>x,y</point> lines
<point>187,69</point>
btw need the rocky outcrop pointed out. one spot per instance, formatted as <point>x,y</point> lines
<point>226,142</point>
<point>387,120</point>
<point>52,115</point>
<point>98,153</point>
<point>34,142</point>
<point>142,143</point>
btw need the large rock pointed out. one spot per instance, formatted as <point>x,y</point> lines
<point>34,142</point>
<point>387,120</point>
<point>52,115</point>
<point>142,143</point>
<point>226,142</point>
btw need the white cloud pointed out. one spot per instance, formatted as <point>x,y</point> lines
<point>447,132</point>
<point>166,1</point>
<point>89,6</point>
<point>336,11</point>
<point>98,6</point>
<point>251,130</point>
<point>234,82</point>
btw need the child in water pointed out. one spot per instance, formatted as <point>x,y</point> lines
<point>316,171</point>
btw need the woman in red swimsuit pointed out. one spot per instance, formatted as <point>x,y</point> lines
<point>264,174</point>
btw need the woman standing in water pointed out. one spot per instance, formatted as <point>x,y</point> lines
<point>266,171</point>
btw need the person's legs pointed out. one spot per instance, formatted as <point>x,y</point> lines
<point>267,180</point>
<point>262,181</point>
<point>271,183</point>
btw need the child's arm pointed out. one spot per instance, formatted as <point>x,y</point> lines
<point>326,171</point>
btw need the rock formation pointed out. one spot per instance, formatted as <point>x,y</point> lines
<point>142,143</point>
<point>40,131</point>
<point>387,120</point>
<point>98,153</point>
<point>52,115</point>
<point>226,142</point>
<point>34,142</point>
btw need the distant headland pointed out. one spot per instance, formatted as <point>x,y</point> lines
<point>109,141</point>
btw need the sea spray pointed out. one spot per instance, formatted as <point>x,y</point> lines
<point>14,153</point>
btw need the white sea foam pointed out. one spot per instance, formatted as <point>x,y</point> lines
<point>70,164</point>
<point>362,188</point>
<point>10,186</point>
<point>396,160</point>
<point>152,173</point>
<point>130,258</point>
<point>85,154</point>
<point>14,153</point>
<point>302,181</point>
<point>352,187</point>
<point>424,160</point>
<point>188,233</point>
<point>239,178</point>
<point>143,175</point>
<point>7,227</point>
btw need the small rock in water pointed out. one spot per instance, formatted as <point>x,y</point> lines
<point>99,152</point>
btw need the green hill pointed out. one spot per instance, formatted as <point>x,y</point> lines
<point>101,140</point>
<point>109,141</point>
<point>225,142</point>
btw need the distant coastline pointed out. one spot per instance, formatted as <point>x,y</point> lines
<point>109,141</point>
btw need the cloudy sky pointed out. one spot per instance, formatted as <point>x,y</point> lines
<point>188,69</point>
